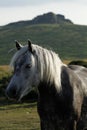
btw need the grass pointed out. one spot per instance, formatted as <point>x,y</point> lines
<point>4,71</point>
<point>70,41</point>
<point>18,116</point>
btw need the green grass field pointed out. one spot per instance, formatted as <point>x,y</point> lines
<point>21,116</point>
<point>69,41</point>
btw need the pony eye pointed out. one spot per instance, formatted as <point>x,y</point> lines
<point>28,66</point>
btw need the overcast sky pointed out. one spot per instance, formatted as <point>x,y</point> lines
<point>16,10</point>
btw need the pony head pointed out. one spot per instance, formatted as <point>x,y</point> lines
<point>32,65</point>
<point>25,72</point>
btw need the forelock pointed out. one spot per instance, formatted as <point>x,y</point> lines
<point>19,53</point>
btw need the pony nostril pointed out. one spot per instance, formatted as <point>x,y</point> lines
<point>11,93</point>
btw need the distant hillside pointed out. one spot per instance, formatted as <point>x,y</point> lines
<point>48,18</point>
<point>68,40</point>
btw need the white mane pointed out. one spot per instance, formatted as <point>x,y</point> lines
<point>48,64</point>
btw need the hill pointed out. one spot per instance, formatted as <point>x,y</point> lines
<point>48,18</point>
<point>69,40</point>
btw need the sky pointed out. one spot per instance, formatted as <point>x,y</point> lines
<point>17,10</point>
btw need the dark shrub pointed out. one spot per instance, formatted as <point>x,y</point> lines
<point>78,62</point>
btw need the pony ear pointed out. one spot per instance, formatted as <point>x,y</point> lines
<point>18,45</point>
<point>30,46</point>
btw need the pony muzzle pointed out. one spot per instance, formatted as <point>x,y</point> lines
<point>12,93</point>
